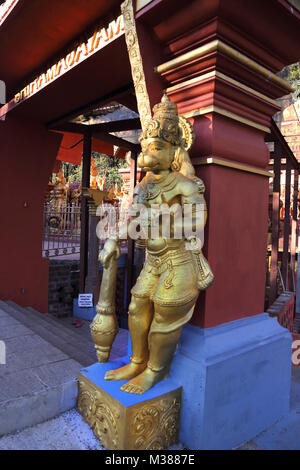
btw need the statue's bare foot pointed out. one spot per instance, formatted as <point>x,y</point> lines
<point>126,372</point>
<point>143,382</point>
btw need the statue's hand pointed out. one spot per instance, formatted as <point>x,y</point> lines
<point>110,250</point>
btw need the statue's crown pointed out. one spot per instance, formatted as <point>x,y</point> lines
<point>166,109</point>
<point>165,123</point>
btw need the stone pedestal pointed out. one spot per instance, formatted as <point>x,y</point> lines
<point>124,421</point>
<point>236,381</point>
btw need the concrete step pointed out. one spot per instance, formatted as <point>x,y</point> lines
<point>61,333</point>
<point>66,322</point>
<point>44,355</point>
<point>66,328</point>
<point>79,350</point>
<point>38,381</point>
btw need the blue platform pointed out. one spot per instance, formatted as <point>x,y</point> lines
<point>95,373</point>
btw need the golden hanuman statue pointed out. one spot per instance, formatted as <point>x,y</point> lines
<point>167,288</point>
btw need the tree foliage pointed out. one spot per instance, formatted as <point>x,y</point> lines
<point>108,166</point>
<point>291,73</point>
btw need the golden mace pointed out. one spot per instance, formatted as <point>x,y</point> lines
<point>104,327</point>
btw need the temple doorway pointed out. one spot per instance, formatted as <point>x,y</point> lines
<point>88,170</point>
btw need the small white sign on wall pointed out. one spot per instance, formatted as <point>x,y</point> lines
<point>85,300</point>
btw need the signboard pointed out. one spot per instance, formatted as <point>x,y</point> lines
<point>141,4</point>
<point>6,8</point>
<point>97,41</point>
<point>85,300</point>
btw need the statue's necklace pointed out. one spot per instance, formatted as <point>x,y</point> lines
<point>155,186</point>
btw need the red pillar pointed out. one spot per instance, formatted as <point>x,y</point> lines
<point>220,61</point>
<point>27,156</point>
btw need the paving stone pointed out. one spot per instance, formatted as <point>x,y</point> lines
<point>9,332</point>
<point>31,358</point>
<point>44,355</point>
<point>66,432</point>
<point>61,339</point>
<point>31,320</point>
<point>2,313</point>
<point>66,323</point>
<point>21,343</point>
<point>17,385</point>
<point>58,372</point>
<point>7,321</point>
<point>33,409</point>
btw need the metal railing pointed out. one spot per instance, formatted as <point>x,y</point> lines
<point>61,230</point>
<point>283,218</point>
<point>62,226</point>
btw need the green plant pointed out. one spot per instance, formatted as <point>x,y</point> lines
<point>107,165</point>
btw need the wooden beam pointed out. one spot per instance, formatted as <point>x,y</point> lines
<point>129,100</point>
<point>115,126</point>
<point>112,139</point>
<point>283,167</point>
<point>111,126</point>
<point>84,231</point>
<point>115,96</point>
<point>71,127</point>
<point>103,136</point>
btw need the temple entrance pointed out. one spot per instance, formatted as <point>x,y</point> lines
<point>78,106</point>
<point>90,172</point>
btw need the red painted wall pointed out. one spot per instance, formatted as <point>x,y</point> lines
<point>27,156</point>
<point>235,245</point>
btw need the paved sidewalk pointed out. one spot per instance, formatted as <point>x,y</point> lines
<point>43,357</point>
<point>69,432</point>
<point>285,434</point>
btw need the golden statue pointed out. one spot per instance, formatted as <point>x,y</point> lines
<point>94,175</point>
<point>167,288</point>
<point>59,194</point>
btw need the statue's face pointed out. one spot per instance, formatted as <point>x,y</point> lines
<point>156,155</point>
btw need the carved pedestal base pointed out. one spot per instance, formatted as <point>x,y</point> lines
<point>125,421</point>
